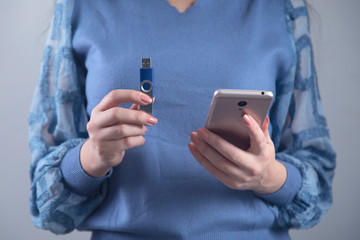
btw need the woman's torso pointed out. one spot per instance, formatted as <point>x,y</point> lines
<point>160,189</point>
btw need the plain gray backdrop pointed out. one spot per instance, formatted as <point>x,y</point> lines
<point>336,38</point>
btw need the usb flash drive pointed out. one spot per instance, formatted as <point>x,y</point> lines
<point>147,83</point>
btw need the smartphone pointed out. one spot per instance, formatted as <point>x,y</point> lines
<point>229,106</point>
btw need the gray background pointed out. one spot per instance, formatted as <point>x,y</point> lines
<point>336,37</point>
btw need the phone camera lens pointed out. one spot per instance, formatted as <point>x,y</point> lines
<point>262,93</point>
<point>242,103</point>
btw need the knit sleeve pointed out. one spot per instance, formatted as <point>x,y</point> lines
<point>300,132</point>
<point>57,123</point>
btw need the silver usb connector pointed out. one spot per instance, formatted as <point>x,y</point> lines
<point>146,62</point>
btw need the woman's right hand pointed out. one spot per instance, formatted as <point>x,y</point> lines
<point>113,129</point>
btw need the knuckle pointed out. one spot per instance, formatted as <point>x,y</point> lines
<point>266,154</point>
<point>94,138</point>
<point>255,170</point>
<point>134,95</point>
<point>90,126</point>
<point>234,185</point>
<point>237,185</point>
<point>94,111</point>
<point>233,155</point>
<point>211,170</point>
<point>139,117</point>
<point>127,143</point>
<point>246,179</point>
<point>113,113</point>
<point>121,131</point>
<point>202,148</point>
<point>214,141</point>
<point>224,167</point>
<point>111,96</point>
<point>261,141</point>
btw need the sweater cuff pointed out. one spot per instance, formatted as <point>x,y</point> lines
<point>75,177</point>
<point>290,188</point>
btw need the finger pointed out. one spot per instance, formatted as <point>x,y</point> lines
<point>122,115</point>
<point>228,150</point>
<point>116,132</point>
<point>118,146</point>
<point>207,164</point>
<point>128,142</point>
<point>256,134</point>
<point>265,128</point>
<point>115,97</point>
<point>132,142</point>
<point>265,124</point>
<point>135,107</point>
<point>213,156</point>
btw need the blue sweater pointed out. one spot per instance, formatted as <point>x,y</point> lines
<point>159,191</point>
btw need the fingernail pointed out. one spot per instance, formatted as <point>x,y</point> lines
<point>151,120</point>
<point>191,146</point>
<point>145,99</point>
<point>247,119</point>
<point>203,133</point>
<point>194,138</point>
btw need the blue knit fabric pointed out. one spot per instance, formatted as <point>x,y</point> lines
<point>58,117</point>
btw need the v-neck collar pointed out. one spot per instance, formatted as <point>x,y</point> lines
<point>177,10</point>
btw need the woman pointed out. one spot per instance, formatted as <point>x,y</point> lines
<point>92,169</point>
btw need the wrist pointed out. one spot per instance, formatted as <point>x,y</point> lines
<point>274,178</point>
<point>91,165</point>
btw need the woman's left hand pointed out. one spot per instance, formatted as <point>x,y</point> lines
<point>255,169</point>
